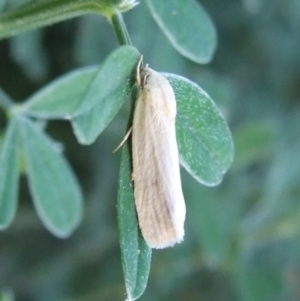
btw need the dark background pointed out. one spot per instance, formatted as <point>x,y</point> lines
<point>242,238</point>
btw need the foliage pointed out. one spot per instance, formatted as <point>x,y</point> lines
<point>90,99</point>
<point>241,237</point>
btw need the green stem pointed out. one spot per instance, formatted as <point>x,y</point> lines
<point>42,13</point>
<point>119,26</point>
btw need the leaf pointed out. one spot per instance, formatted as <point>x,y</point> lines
<point>187,26</point>
<point>5,101</point>
<point>212,229</point>
<point>253,142</point>
<point>55,191</point>
<point>278,210</point>
<point>261,270</point>
<point>61,98</point>
<point>6,294</point>
<point>27,51</point>
<point>36,14</point>
<point>136,255</point>
<point>2,4</point>
<point>106,94</point>
<point>204,140</point>
<point>91,96</point>
<point>9,174</point>
<point>113,77</point>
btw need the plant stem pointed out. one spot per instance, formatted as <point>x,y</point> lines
<point>119,26</point>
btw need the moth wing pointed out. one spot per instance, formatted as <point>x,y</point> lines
<point>156,173</point>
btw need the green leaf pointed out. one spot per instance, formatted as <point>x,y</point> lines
<point>260,270</point>
<point>56,193</point>
<point>6,294</point>
<point>187,26</point>
<point>36,14</point>
<point>91,97</point>
<point>106,94</point>
<point>270,218</point>
<point>253,141</point>
<point>9,173</point>
<point>211,228</point>
<point>61,98</point>
<point>136,255</point>
<point>204,140</point>
<point>2,4</point>
<point>27,50</point>
<point>5,101</point>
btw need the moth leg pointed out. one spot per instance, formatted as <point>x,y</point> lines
<point>123,141</point>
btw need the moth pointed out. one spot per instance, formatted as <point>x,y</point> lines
<point>158,194</point>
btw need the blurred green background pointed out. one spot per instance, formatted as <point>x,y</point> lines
<point>242,238</point>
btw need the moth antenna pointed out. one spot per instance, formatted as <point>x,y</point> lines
<point>138,71</point>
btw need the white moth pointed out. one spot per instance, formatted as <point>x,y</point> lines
<point>156,173</point>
